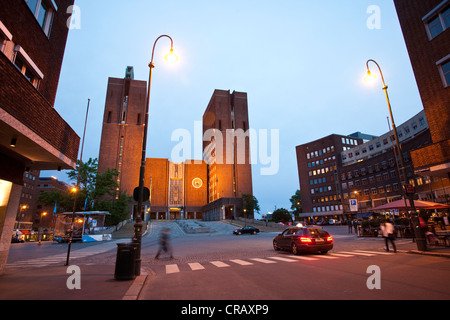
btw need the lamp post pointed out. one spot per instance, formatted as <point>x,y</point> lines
<point>137,237</point>
<point>76,189</point>
<point>419,234</point>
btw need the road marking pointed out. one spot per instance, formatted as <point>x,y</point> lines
<point>375,252</point>
<point>219,264</point>
<point>263,260</point>
<point>196,266</point>
<point>326,256</point>
<point>172,268</point>
<point>304,258</point>
<point>359,253</point>
<point>341,255</point>
<point>242,262</point>
<point>283,259</point>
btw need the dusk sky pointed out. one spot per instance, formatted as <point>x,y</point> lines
<point>301,62</point>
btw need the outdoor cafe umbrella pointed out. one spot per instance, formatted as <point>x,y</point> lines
<point>419,204</point>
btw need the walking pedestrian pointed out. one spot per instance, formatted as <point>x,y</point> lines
<point>387,229</point>
<point>355,225</point>
<point>350,228</point>
<point>164,244</point>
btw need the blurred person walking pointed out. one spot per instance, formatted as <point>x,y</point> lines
<point>387,229</point>
<point>164,244</point>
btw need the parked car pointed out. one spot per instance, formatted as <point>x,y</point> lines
<point>247,229</point>
<point>16,240</point>
<point>304,239</point>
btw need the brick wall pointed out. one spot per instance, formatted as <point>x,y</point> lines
<point>46,52</point>
<point>20,99</point>
<point>424,54</point>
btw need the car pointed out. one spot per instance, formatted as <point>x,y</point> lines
<point>303,239</point>
<point>247,229</point>
<point>17,240</point>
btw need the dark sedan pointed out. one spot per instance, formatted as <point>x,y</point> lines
<point>304,239</point>
<point>247,229</point>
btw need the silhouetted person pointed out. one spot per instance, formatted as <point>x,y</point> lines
<point>164,243</point>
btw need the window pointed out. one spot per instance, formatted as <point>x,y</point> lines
<point>438,20</point>
<point>435,27</point>
<point>26,66</point>
<point>43,11</point>
<point>444,70</point>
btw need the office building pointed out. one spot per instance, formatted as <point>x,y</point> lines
<point>335,169</point>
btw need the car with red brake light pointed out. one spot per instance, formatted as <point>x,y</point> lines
<point>304,239</point>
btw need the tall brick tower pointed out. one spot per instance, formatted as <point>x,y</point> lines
<point>226,148</point>
<point>123,130</point>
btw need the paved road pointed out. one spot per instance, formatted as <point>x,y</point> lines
<point>220,265</point>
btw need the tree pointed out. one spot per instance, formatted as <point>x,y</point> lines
<point>118,208</point>
<point>250,205</point>
<point>296,204</point>
<point>93,188</point>
<point>281,215</point>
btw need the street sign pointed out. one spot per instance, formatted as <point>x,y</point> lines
<point>136,194</point>
<point>409,188</point>
<point>353,205</point>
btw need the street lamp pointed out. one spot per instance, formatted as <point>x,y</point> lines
<point>137,237</point>
<point>420,237</point>
<point>75,188</point>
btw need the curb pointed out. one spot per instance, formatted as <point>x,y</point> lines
<point>428,253</point>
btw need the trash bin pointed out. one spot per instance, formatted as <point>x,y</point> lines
<point>125,261</point>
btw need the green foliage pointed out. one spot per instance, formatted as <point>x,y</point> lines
<point>93,189</point>
<point>296,203</point>
<point>118,209</point>
<point>250,205</point>
<point>281,215</point>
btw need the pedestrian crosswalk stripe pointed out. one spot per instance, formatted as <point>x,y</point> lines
<point>374,252</point>
<point>172,268</point>
<point>242,262</point>
<point>283,259</point>
<point>304,258</point>
<point>341,255</point>
<point>196,266</point>
<point>359,253</point>
<point>326,256</point>
<point>219,264</point>
<point>263,260</point>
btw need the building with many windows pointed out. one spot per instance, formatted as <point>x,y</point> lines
<point>335,169</point>
<point>33,136</point>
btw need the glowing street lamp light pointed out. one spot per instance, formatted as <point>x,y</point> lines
<point>137,237</point>
<point>420,237</point>
<point>171,57</point>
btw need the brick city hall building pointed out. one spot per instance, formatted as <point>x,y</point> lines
<point>210,188</point>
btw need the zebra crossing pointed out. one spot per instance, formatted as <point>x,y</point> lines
<point>196,266</point>
<point>60,259</point>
